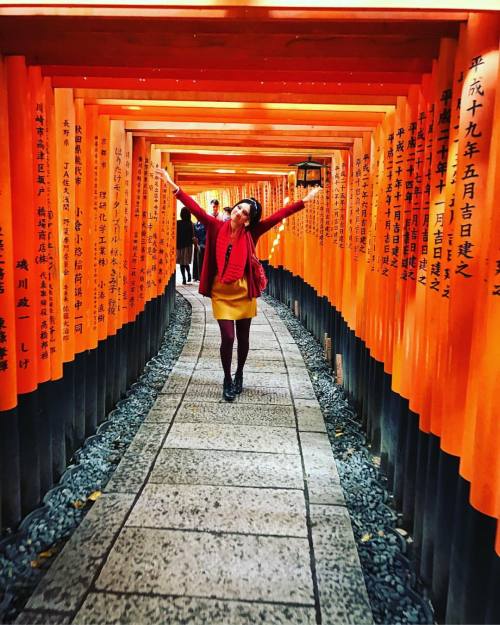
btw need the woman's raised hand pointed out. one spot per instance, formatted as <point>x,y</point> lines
<point>312,193</point>
<point>165,176</point>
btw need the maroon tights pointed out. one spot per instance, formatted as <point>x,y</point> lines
<point>227,339</point>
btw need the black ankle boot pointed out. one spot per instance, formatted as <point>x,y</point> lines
<point>238,383</point>
<point>228,390</point>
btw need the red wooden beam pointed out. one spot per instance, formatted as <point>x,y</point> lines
<point>34,25</point>
<point>76,53</point>
<point>120,48</point>
<point>340,96</point>
<point>185,75</point>
<point>230,11</point>
<point>227,159</point>
<point>245,114</point>
<point>269,139</point>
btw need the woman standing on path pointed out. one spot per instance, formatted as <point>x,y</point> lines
<point>185,235</point>
<point>225,275</point>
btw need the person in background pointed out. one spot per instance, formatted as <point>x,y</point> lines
<point>226,213</point>
<point>199,252</point>
<point>226,272</point>
<point>185,236</point>
<point>215,209</point>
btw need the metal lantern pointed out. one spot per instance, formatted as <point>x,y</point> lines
<point>308,173</point>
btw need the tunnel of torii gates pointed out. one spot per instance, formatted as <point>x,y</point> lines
<point>397,261</point>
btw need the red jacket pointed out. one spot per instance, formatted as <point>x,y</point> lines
<point>213,225</point>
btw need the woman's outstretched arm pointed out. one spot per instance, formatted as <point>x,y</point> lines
<point>186,199</point>
<point>265,224</point>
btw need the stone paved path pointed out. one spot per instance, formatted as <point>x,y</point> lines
<point>218,513</point>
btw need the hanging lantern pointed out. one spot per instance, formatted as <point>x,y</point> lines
<point>309,173</point>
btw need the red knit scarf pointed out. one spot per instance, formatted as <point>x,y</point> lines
<point>235,267</point>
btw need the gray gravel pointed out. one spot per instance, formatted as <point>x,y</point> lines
<point>396,595</point>
<point>26,554</point>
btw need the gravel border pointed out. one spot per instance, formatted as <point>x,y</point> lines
<point>396,594</point>
<point>27,554</point>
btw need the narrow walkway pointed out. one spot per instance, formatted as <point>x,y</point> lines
<point>218,513</point>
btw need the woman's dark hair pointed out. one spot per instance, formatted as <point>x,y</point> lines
<point>255,210</point>
<point>185,214</point>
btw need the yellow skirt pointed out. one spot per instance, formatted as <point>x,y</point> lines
<point>231,301</point>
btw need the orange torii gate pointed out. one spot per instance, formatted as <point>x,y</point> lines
<point>400,256</point>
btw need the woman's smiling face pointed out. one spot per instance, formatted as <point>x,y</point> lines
<point>240,215</point>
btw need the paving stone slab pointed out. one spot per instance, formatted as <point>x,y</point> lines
<point>323,480</point>
<point>342,590</point>
<point>205,362</point>
<point>268,511</point>
<point>268,344</point>
<point>251,365</point>
<point>231,468</point>
<point>310,418</point>
<point>264,354</point>
<point>256,329</point>
<point>30,617</point>
<point>183,369</point>
<point>196,334</point>
<point>193,348</point>
<point>211,333</point>
<point>299,375</point>
<point>163,409</point>
<point>197,318</point>
<point>130,474</point>
<point>293,360</point>
<point>259,354</point>
<point>129,609</point>
<point>242,414</point>
<point>301,385</point>
<point>254,395</point>
<point>212,352</point>
<point>268,366</point>
<point>212,347</point>
<point>227,436</point>
<point>176,383</point>
<point>300,402</point>
<point>284,338</point>
<point>187,360</point>
<point>263,395</point>
<point>250,378</point>
<point>297,369</point>
<point>219,566</point>
<point>263,326</point>
<point>166,402</point>
<point>190,351</point>
<point>148,439</point>
<point>257,342</point>
<point>292,350</point>
<point>67,581</point>
<point>137,461</point>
